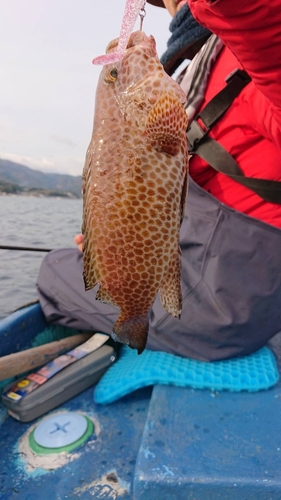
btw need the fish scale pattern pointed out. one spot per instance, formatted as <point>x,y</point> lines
<point>255,372</point>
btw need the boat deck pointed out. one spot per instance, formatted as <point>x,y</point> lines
<point>157,443</point>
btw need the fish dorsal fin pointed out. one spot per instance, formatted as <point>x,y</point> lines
<point>90,271</point>
<point>166,122</point>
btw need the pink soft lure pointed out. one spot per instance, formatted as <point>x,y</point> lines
<point>132,10</point>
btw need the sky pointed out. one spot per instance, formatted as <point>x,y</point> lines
<point>47,78</point>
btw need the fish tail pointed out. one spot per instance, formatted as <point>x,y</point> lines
<point>131,331</point>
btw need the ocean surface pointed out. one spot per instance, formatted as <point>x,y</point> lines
<point>34,222</point>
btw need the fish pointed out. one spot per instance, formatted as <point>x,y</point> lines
<point>134,185</point>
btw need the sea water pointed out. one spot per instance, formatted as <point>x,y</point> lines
<point>33,222</point>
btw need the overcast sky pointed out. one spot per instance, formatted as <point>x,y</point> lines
<point>47,79</point>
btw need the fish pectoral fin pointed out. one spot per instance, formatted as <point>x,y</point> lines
<point>131,331</point>
<point>104,296</point>
<point>170,289</point>
<point>166,123</point>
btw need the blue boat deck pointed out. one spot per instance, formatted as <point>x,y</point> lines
<point>161,443</point>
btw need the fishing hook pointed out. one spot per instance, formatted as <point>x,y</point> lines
<point>142,15</point>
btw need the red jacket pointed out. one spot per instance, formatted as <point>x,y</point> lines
<point>251,129</point>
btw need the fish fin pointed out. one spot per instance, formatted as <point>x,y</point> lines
<point>183,196</point>
<point>104,296</point>
<point>166,123</point>
<point>90,274</point>
<point>131,331</point>
<point>86,170</point>
<point>170,289</point>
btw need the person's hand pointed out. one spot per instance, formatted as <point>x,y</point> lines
<point>78,240</point>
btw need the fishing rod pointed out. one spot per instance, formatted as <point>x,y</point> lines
<point>28,249</point>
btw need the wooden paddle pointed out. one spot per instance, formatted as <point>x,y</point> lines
<point>23,361</point>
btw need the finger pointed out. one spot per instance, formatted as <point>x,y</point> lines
<point>78,239</point>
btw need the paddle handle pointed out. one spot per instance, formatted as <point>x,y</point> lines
<point>23,361</point>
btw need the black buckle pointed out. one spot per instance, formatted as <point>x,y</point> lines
<point>240,73</point>
<point>194,135</point>
<point>213,111</point>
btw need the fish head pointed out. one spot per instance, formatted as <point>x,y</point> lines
<point>136,82</point>
<point>139,59</point>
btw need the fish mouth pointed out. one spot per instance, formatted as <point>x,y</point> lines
<point>137,38</point>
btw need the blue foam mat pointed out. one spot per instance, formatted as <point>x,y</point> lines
<point>255,372</point>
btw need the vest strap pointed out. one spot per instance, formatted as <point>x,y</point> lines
<point>213,153</point>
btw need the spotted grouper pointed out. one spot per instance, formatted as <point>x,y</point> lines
<point>134,189</point>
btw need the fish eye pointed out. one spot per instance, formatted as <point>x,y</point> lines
<point>111,76</point>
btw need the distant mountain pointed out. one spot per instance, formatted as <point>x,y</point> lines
<point>15,173</point>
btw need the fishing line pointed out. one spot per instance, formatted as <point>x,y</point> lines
<point>142,15</point>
